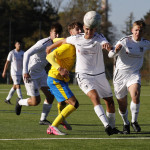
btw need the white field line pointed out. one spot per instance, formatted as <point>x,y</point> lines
<point>33,139</point>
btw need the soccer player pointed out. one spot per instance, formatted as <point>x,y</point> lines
<point>62,60</point>
<point>35,76</point>
<point>130,52</point>
<point>15,57</point>
<point>91,72</point>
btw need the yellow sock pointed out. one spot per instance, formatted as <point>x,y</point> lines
<point>60,107</point>
<point>64,113</point>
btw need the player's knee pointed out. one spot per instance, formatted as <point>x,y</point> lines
<point>76,104</point>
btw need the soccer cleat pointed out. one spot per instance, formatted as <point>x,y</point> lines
<point>44,122</point>
<point>66,125</point>
<point>126,129</point>
<point>7,101</point>
<point>54,130</point>
<point>136,126</point>
<point>116,131</point>
<point>109,130</point>
<point>18,107</point>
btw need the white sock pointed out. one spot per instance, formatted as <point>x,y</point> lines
<point>124,117</point>
<point>101,114</point>
<point>111,119</point>
<point>10,94</point>
<point>46,109</point>
<point>134,111</point>
<point>19,93</point>
<point>23,102</point>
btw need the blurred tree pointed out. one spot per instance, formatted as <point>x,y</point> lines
<point>27,20</point>
<point>128,24</point>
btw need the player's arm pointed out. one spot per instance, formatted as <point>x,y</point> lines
<point>107,46</point>
<point>114,51</point>
<point>51,58</point>
<point>55,45</point>
<point>5,68</point>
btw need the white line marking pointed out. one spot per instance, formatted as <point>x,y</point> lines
<point>33,139</point>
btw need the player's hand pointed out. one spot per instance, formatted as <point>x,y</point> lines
<point>27,77</point>
<point>118,48</point>
<point>63,72</point>
<point>48,50</point>
<point>107,46</point>
<point>3,74</point>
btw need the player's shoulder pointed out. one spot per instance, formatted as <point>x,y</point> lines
<point>99,35</point>
<point>129,37</point>
<point>145,40</point>
<point>12,51</point>
<point>44,41</point>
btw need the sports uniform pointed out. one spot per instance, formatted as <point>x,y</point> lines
<point>65,57</point>
<point>34,63</point>
<point>16,59</point>
<point>90,65</point>
<point>128,64</point>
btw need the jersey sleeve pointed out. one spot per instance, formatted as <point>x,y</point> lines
<point>9,57</point>
<point>71,40</point>
<point>33,50</point>
<point>63,51</point>
<point>101,39</point>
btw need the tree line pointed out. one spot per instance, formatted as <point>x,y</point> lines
<point>30,20</point>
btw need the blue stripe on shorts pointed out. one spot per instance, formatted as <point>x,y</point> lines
<point>59,89</point>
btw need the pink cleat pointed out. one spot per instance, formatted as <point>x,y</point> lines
<point>66,125</point>
<point>54,130</point>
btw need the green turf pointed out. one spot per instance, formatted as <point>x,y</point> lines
<point>84,122</point>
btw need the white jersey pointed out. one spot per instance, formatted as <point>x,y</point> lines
<point>34,61</point>
<point>16,59</point>
<point>130,57</point>
<point>89,53</point>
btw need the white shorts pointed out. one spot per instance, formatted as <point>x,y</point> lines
<point>16,79</point>
<point>34,85</point>
<point>122,80</point>
<point>97,82</point>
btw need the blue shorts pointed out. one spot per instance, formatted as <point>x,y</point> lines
<point>59,89</point>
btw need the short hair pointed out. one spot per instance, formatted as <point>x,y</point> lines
<point>74,24</point>
<point>57,27</point>
<point>17,41</point>
<point>140,23</point>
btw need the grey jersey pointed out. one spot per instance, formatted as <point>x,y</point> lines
<point>35,58</point>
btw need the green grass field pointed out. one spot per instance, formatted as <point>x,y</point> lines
<point>24,133</point>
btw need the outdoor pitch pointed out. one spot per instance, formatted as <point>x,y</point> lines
<point>24,132</point>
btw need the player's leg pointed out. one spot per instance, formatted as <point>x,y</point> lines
<point>33,91</point>
<point>62,93</point>
<point>88,86</point>
<point>71,107</point>
<point>47,105</point>
<point>12,91</point>
<point>60,107</point>
<point>18,87</point>
<point>123,111</point>
<point>134,91</point>
<point>98,108</point>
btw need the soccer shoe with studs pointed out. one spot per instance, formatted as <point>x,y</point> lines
<point>66,125</point>
<point>54,130</point>
<point>109,130</point>
<point>116,131</point>
<point>7,102</point>
<point>18,107</point>
<point>44,122</point>
<point>126,129</point>
<point>136,126</point>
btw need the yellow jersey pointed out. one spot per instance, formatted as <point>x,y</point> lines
<point>65,57</point>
